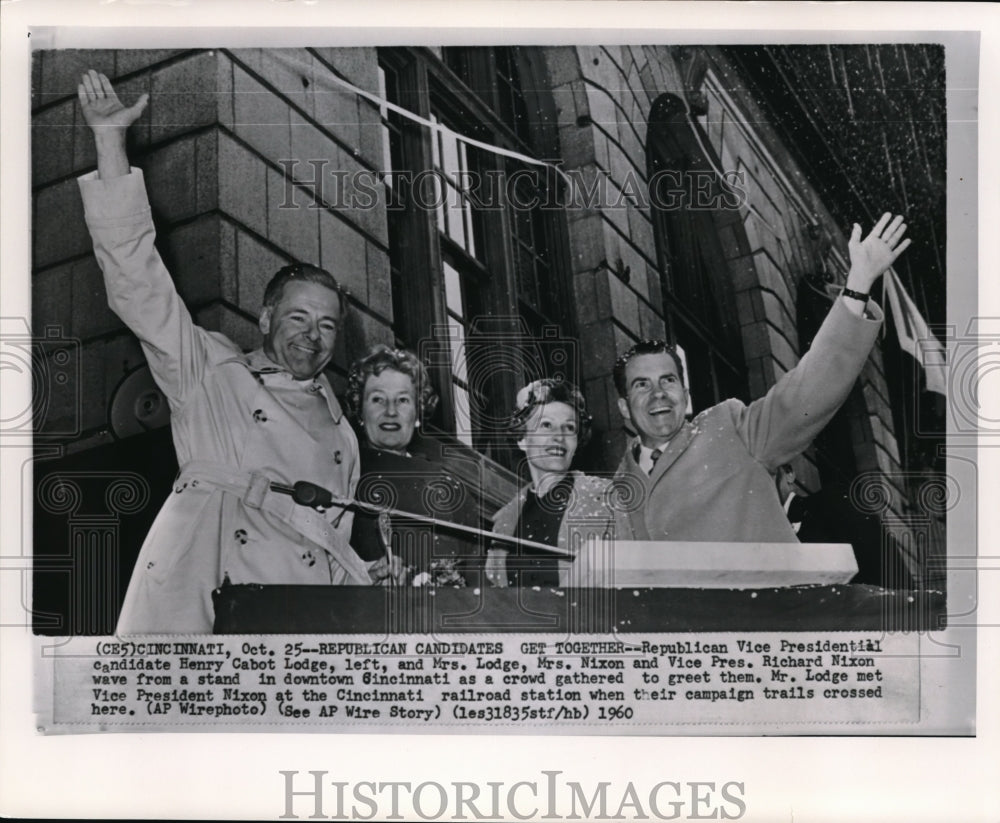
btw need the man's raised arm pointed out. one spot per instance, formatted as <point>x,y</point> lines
<point>139,288</point>
<point>109,120</point>
<point>785,421</point>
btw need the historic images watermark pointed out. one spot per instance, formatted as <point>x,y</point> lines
<point>545,187</point>
<point>548,796</point>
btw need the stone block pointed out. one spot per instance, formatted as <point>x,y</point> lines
<point>379,282</point>
<point>649,83</point>
<point>750,227</point>
<point>577,145</point>
<point>243,331</point>
<point>371,139</point>
<point>261,117</point>
<point>599,345</point>
<point>654,285</point>
<point>624,340</point>
<point>733,241</point>
<point>757,381</point>
<point>226,95</point>
<point>595,392</point>
<point>342,253</point>
<point>291,73</point>
<point>336,109</point>
<point>772,370</point>
<point>615,208</point>
<point>624,305</point>
<point>364,199</point>
<point>641,232</point>
<point>62,69</point>
<point>586,242</point>
<point>242,185</point>
<point>756,343</point>
<point>771,277</point>
<point>359,332</point>
<point>585,298</point>
<point>128,61</point>
<point>563,64</point>
<point>52,299</point>
<point>293,226</point>
<point>256,264</point>
<point>59,228</point>
<point>602,150</point>
<point>780,349</point>
<point>590,61</point>
<point>743,274</point>
<point>636,269</point>
<point>621,167</point>
<point>602,291</point>
<point>206,153</point>
<point>314,156</point>
<point>589,191</point>
<point>170,180</point>
<point>603,111</point>
<point>52,135</point>
<point>884,437</point>
<point>651,323</point>
<point>876,404</point>
<point>780,316</point>
<point>571,103</point>
<point>192,252</point>
<point>228,285</point>
<point>749,308</point>
<point>359,65</point>
<point>36,80</point>
<point>184,96</point>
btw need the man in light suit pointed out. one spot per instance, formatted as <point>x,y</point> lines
<point>240,422</point>
<point>711,479</point>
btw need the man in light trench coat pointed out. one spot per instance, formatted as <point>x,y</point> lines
<point>711,479</point>
<point>240,421</point>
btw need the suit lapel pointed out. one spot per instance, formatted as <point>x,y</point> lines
<point>674,449</point>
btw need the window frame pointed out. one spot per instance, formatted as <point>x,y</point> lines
<point>428,87</point>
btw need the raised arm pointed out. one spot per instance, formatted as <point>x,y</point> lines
<point>785,421</point>
<point>109,120</point>
<point>139,288</point>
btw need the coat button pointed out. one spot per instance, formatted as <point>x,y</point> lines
<point>259,416</point>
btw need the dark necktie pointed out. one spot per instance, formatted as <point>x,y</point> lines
<point>654,455</point>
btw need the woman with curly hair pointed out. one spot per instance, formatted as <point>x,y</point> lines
<point>389,393</point>
<point>565,509</point>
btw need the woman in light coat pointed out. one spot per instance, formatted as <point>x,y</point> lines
<point>565,509</point>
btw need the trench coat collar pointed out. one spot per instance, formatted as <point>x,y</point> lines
<point>259,363</point>
<point>674,448</point>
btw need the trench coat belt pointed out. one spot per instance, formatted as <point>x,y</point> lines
<point>254,489</point>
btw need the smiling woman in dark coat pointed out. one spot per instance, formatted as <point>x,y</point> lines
<point>389,393</point>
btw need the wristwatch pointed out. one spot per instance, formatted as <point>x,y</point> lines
<point>857,295</point>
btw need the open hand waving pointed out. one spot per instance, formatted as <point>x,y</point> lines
<point>875,253</point>
<point>101,106</point>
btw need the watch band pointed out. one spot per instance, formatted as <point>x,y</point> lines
<point>857,295</point>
